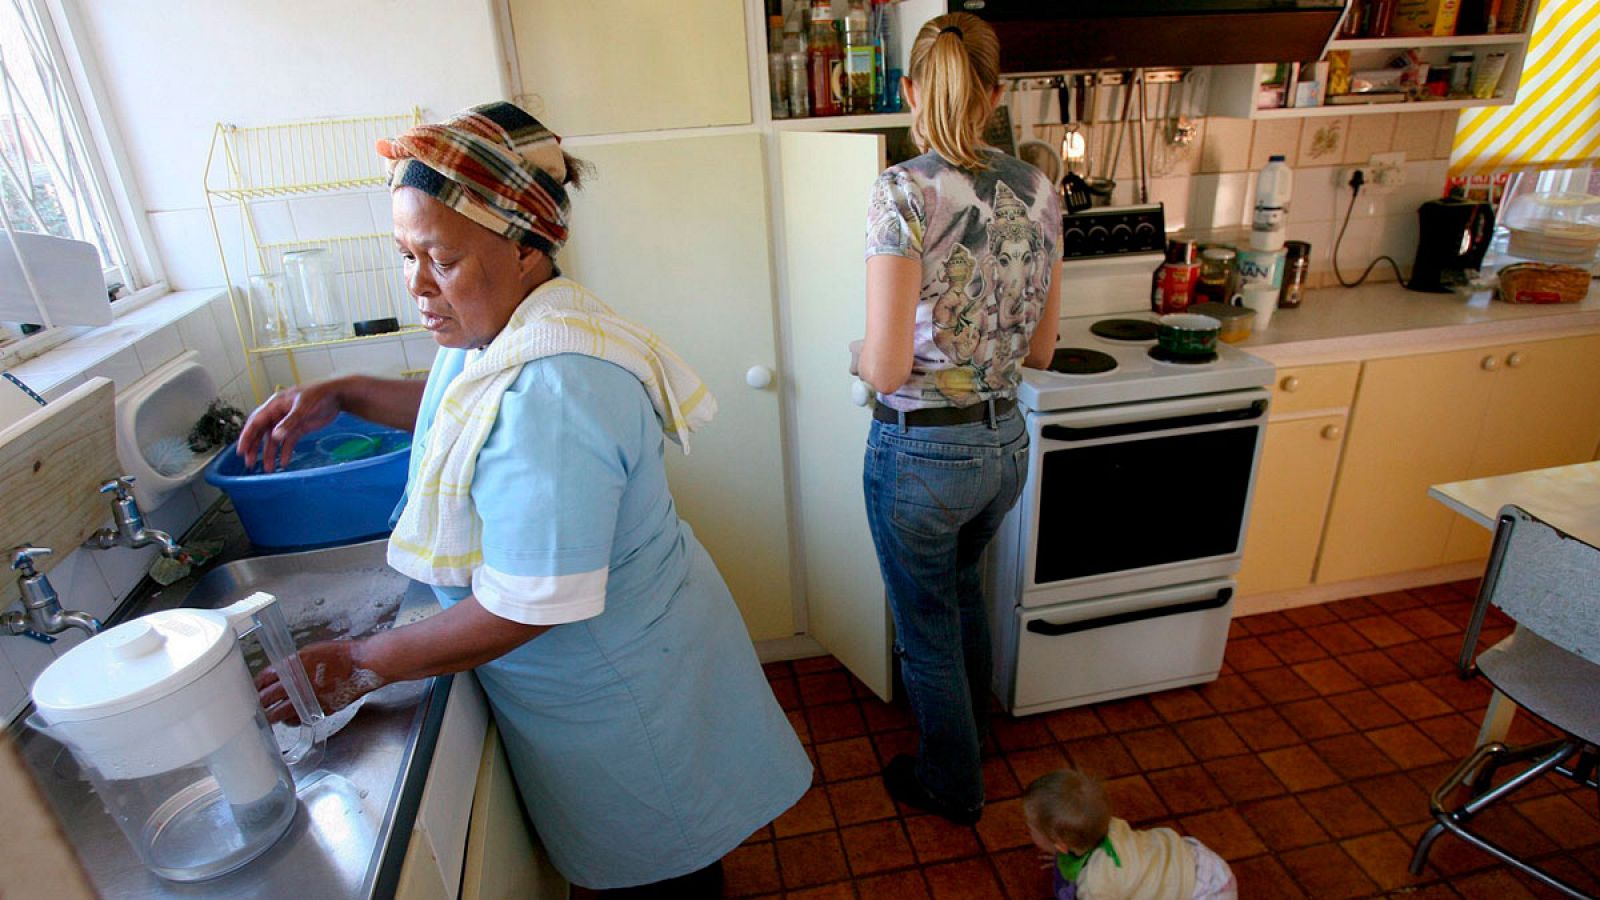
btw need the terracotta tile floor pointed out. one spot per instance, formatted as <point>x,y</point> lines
<point>1307,764</point>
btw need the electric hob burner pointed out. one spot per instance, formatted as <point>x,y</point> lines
<point>1079,361</point>
<point>1124,329</point>
<point>1160,354</point>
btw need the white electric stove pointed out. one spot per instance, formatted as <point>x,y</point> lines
<point>1112,575</point>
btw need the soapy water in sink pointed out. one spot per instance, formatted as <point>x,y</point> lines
<point>341,447</point>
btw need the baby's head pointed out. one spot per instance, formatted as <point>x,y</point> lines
<point>1067,812</point>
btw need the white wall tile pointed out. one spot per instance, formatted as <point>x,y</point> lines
<point>1316,195</point>
<point>204,494</point>
<point>22,659</point>
<point>382,212</point>
<point>334,215</point>
<point>82,588</point>
<point>1320,236</point>
<point>13,696</point>
<point>1397,238</point>
<point>277,369</point>
<point>121,367</point>
<point>188,250</point>
<point>176,515</point>
<point>1356,250</point>
<point>273,223</point>
<point>420,352</point>
<point>198,330</point>
<point>384,359</point>
<point>1173,194</point>
<point>60,388</point>
<point>122,567</point>
<point>159,348</point>
<point>314,365</point>
<point>228,334</point>
<point>1220,201</point>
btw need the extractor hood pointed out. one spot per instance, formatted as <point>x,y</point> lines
<point>1053,35</point>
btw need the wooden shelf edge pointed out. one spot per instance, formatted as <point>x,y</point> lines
<point>1309,112</point>
<point>1404,42</point>
<point>844,123</point>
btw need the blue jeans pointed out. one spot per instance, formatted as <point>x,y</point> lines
<point>935,498</point>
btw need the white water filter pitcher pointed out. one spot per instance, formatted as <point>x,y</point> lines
<point>162,715</point>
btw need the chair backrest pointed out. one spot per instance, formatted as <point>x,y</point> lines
<point>1548,581</point>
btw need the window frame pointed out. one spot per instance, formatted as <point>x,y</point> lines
<point>106,163</point>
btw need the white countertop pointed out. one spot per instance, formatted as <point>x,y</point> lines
<point>1377,320</point>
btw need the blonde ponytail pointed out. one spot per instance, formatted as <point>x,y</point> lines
<point>955,64</point>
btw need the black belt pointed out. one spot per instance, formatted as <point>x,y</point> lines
<point>945,415</point>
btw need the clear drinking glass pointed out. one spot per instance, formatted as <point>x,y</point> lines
<point>274,313</point>
<point>313,287</point>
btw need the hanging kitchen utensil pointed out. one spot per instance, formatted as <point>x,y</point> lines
<point>1139,157</point>
<point>1074,190</point>
<point>1103,187</point>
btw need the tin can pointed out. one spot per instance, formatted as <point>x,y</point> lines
<point>1174,290</point>
<point>1296,265</point>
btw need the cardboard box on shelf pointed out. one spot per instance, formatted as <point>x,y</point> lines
<point>1427,18</point>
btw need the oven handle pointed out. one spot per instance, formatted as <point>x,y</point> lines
<point>1093,425</point>
<point>1051,629</point>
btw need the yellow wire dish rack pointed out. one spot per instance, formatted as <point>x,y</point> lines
<point>249,165</point>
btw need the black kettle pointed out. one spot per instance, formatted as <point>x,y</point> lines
<point>1452,237</point>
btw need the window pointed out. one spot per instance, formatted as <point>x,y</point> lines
<point>51,180</point>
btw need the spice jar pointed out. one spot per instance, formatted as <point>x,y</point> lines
<point>1216,275</point>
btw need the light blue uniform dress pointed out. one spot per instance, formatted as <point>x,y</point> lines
<point>642,734</point>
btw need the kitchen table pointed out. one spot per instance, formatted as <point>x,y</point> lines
<point>1566,497</point>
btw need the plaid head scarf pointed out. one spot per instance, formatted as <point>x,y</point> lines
<point>494,164</point>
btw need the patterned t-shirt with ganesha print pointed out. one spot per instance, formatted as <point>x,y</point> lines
<point>987,242</point>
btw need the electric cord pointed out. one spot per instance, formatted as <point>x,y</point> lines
<point>1356,181</point>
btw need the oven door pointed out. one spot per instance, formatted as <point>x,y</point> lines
<point>1136,496</point>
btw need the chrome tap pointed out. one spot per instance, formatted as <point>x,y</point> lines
<point>41,611</point>
<point>128,528</point>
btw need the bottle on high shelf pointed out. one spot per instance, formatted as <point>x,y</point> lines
<point>777,69</point>
<point>886,36</point>
<point>794,51</point>
<point>860,60</point>
<point>826,56</point>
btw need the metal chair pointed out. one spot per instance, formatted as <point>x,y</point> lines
<point>1549,582</point>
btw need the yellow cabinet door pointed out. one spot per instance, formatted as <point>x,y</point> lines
<point>1544,411</point>
<point>610,66</point>
<point>673,234</point>
<point>1415,423</point>
<point>1293,484</point>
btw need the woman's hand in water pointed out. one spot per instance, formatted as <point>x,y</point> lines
<point>337,677</point>
<point>272,431</point>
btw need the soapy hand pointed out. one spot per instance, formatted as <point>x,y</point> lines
<point>288,415</point>
<point>337,678</point>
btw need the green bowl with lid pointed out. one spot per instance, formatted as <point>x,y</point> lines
<point>1187,334</point>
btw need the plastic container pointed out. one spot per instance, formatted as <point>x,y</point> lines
<point>1236,320</point>
<point>1556,227</point>
<point>341,486</point>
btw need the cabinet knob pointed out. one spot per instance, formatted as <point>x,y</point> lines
<point>758,377</point>
<point>1290,384</point>
<point>1514,360</point>
<point>1331,432</point>
<point>860,394</point>
<point>1489,364</point>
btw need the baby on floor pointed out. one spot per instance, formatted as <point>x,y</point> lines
<point>1098,857</point>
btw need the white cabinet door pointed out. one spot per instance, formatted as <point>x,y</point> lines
<point>827,178</point>
<point>609,66</point>
<point>673,234</point>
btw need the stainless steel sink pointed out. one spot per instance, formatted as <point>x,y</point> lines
<point>356,808</point>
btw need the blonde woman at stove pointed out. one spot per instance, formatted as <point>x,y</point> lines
<point>963,266</point>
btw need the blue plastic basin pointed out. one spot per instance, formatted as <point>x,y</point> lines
<point>319,500</point>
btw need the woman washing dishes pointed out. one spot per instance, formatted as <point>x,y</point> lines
<point>644,739</point>
<point>963,288</point>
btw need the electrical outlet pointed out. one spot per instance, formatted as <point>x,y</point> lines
<point>1386,171</point>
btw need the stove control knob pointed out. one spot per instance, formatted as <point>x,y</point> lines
<point>1073,241</point>
<point>1331,432</point>
<point>1121,237</point>
<point>1097,238</point>
<point>1144,235</point>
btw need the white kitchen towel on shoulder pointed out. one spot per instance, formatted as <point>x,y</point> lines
<point>439,537</point>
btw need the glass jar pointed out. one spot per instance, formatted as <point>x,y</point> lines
<point>313,288</point>
<point>271,311</point>
<point>1216,275</point>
